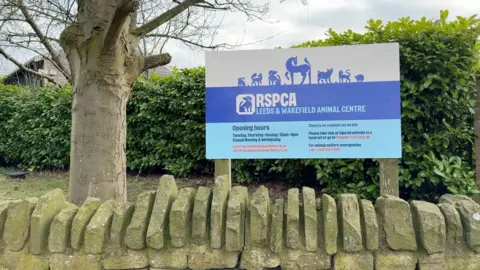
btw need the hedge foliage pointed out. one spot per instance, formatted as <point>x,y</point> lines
<point>166,128</point>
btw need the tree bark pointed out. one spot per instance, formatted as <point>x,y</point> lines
<point>98,138</point>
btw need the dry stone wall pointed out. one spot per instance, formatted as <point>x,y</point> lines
<point>225,227</point>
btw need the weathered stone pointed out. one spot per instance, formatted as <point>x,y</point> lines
<point>293,219</point>
<point>201,211</point>
<point>98,228</point>
<point>465,262</point>
<point>121,218</point>
<point>168,258</point>
<point>399,260</point>
<point>350,261</point>
<point>369,223</point>
<point>430,225</point>
<point>310,218</point>
<point>18,223</point>
<point>455,242</point>
<point>349,223</point>
<point>299,259</point>
<point>235,227</point>
<point>470,215</point>
<point>395,223</point>
<point>137,230</point>
<point>3,216</point>
<point>60,230</point>
<point>80,222</point>
<point>48,206</point>
<point>204,257</point>
<point>75,262</point>
<point>157,229</point>
<point>259,217</point>
<point>180,217</point>
<point>453,199</point>
<point>432,262</point>
<point>132,260</point>
<point>276,229</point>
<point>318,203</point>
<point>259,259</point>
<point>23,260</point>
<point>219,210</point>
<point>330,228</point>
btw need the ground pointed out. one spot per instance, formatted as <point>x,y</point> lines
<point>37,183</point>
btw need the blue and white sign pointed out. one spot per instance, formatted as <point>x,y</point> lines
<point>323,102</point>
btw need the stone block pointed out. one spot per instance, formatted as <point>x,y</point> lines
<point>430,226</point>
<point>330,228</point>
<point>131,260</point>
<point>399,260</point>
<point>276,228</point>
<point>17,224</point>
<point>259,259</point>
<point>395,223</point>
<point>432,262</point>
<point>180,217</point>
<point>158,225</point>
<point>310,218</point>
<point>456,244</point>
<point>135,235</point>
<point>23,260</point>
<point>75,261</point>
<point>3,216</point>
<point>80,222</point>
<point>470,216</point>
<point>300,259</point>
<point>48,206</point>
<point>350,261</point>
<point>205,257</point>
<point>121,219</point>
<point>259,218</point>
<point>349,223</point>
<point>201,212</point>
<point>235,227</point>
<point>218,211</point>
<point>293,219</point>
<point>60,230</point>
<point>98,228</point>
<point>464,262</point>
<point>368,219</point>
<point>168,258</point>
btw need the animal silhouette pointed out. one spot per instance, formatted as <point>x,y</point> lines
<point>293,67</point>
<point>246,104</point>
<point>274,78</point>
<point>257,79</point>
<point>344,77</point>
<point>241,82</point>
<point>324,76</point>
<point>360,78</point>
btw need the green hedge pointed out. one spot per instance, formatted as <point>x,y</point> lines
<point>166,119</point>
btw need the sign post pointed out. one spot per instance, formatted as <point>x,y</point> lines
<point>305,103</point>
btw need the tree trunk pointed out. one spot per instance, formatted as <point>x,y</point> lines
<point>98,138</point>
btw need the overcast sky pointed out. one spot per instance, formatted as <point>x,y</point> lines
<point>298,23</point>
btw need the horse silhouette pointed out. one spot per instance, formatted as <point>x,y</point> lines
<point>241,82</point>
<point>293,67</point>
<point>274,78</point>
<point>324,76</point>
<point>342,77</point>
<point>256,79</point>
<point>360,78</point>
<point>246,104</point>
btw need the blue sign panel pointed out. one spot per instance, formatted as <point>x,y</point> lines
<point>324,102</point>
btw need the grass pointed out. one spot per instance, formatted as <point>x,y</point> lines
<point>38,183</point>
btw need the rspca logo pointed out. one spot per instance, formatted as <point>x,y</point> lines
<point>245,104</point>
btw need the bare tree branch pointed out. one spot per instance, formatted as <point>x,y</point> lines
<point>22,67</point>
<point>124,9</point>
<point>42,38</point>
<point>164,17</point>
<point>156,60</point>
